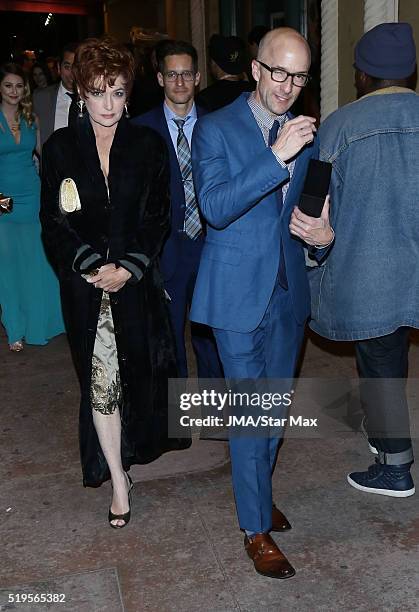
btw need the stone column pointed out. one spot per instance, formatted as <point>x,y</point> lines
<point>380,11</point>
<point>329,85</point>
<point>105,18</point>
<point>197,8</point>
<point>170,7</point>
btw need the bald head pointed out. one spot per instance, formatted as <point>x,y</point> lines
<point>284,49</point>
<point>283,40</point>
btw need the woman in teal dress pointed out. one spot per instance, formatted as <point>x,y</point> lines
<point>29,292</point>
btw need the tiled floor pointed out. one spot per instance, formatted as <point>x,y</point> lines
<point>182,551</point>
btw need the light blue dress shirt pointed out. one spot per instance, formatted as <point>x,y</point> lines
<point>190,121</point>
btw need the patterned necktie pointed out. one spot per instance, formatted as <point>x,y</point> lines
<point>72,111</point>
<point>192,224</point>
<point>282,273</point>
<point>273,132</point>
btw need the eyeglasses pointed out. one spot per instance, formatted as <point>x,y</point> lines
<point>172,75</point>
<point>280,75</point>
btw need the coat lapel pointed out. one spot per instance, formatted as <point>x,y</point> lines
<point>116,155</point>
<point>164,131</point>
<point>50,116</point>
<point>89,155</point>
<point>255,141</point>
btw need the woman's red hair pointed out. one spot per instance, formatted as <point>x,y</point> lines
<point>99,62</point>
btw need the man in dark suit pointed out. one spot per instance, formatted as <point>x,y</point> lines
<point>249,161</point>
<point>52,104</point>
<point>175,120</point>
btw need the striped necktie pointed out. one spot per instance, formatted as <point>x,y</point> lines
<point>192,224</point>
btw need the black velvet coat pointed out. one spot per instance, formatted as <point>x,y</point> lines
<point>129,226</point>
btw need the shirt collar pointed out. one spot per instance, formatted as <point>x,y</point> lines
<point>62,91</point>
<point>388,90</point>
<point>264,116</point>
<point>169,114</point>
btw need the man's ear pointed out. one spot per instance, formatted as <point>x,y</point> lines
<point>255,70</point>
<point>160,79</point>
<point>197,78</point>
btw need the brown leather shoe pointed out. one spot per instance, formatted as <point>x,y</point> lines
<point>266,556</point>
<point>279,520</point>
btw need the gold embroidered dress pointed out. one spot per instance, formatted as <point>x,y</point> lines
<point>105,389</point>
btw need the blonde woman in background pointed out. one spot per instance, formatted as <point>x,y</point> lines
<point>29,292</point>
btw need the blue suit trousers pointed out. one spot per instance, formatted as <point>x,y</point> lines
<point>180,288</point>
<point>270,351</point>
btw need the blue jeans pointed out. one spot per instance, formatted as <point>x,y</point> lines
<point>383,361</point>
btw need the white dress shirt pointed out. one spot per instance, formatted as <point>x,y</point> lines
<point>190,121</point>
<point>62,107</point>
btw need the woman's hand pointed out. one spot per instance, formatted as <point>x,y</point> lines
<point>110,278</point>
<point>314,231</point>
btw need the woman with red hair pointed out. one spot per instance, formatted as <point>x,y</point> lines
<point>105,214</point>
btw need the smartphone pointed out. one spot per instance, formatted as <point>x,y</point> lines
<point>316,188</point>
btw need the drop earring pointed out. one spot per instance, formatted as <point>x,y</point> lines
<point>126,111</point>
<point>80,104</point>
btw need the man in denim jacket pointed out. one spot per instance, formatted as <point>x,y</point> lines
<point>367,290</point>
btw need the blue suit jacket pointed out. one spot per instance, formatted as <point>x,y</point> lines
<point>169,258</point>
<point>235,177</point>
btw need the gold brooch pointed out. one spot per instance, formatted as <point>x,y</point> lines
<point>69,200</point>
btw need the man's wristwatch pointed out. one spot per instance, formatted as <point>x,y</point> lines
<point>323,246</point>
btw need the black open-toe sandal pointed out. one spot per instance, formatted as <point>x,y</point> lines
<point>122,517</point>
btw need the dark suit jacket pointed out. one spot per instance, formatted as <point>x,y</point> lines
<point>221,93</point>
<point>44,103</point>
<point>156,119</point>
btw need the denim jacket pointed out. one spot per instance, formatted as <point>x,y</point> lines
<point>368,284</point>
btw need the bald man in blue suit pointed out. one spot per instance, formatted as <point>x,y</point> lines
<point>249,165</point>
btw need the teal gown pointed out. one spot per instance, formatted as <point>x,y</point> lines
<point>29,291</point>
